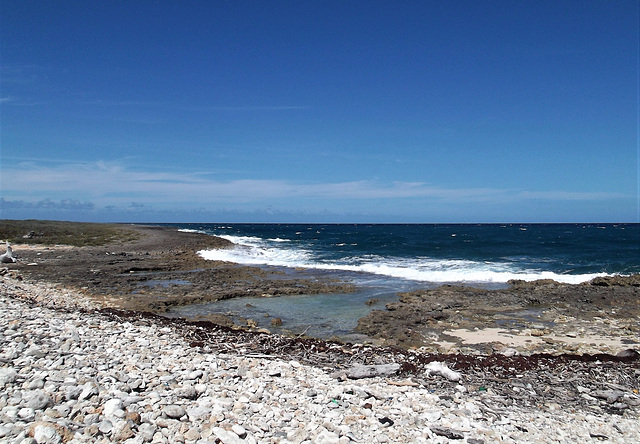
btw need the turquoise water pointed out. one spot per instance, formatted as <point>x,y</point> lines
<point>384,259</point>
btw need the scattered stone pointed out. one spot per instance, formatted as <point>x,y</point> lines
<point>174,411</point>
<point>88,390</point>
<point>447,432</point>
<point>187,392</point>
<point>227,437</point>
<point>239,430</point>
<point>39,401</point>
<point>7,376</point>
<point>112,407</point>
<point>610,395</point>
<point>46,435</point>
<point>135,379</point>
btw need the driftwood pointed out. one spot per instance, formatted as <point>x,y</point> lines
<point>372,371</point>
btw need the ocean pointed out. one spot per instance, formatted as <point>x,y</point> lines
<point>383,259</point>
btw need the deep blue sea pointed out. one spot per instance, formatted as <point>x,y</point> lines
<point>384,259</point>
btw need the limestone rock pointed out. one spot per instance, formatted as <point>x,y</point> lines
<point>371,371</point>
<point>174,411</point>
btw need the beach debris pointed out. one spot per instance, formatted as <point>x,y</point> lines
<point>8,258</point>
<point>371,371</point>
<point>447,432</point>
<point>610,395</point>
<point>441,369</point>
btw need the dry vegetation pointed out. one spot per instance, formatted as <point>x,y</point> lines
<point>78,234</point>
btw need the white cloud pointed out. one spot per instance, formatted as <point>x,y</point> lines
<point>109,183</point>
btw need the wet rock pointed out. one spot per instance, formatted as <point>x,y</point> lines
<point>628,353</point>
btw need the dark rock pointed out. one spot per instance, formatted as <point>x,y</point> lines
<point>447,432</point>
<point>628,353</point>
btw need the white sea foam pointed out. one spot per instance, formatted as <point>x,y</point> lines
<point>256,251</point>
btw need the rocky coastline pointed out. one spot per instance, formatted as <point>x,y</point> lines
<point>87,357</point>
<point>72,371</point>
<point>600,316</point>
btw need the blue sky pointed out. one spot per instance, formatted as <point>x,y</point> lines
<point>320,111</point>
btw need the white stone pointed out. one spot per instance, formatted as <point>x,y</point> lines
<point>174,411</point>
<point>26,414</point>
<point>226,437</point>
<point>239,430</point>
<point>113,407</point>
<point>198,413</point>
<point>88,390</point>
<point>46,435</point>
<point>7,375</point>
<point>4,431</point>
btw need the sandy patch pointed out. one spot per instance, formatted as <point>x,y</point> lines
<point>524,338</point>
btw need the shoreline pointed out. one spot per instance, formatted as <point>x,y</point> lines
<point>154,268</point>
<point>74,372</point>
<point>80,367</point>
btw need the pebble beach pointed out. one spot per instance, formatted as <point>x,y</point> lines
<point>86,357</point>
<point>70,374</point>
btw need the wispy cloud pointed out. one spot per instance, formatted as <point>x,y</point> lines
<point>111,183</point>
<point>173,105</point>
<point>570,195</point>
<point>249,108</point>
<point>46,204</point>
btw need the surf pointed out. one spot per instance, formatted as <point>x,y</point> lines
<point>253,250</point>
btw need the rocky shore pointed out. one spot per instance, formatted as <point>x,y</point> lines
<point>152,268</point>
<point>600,316</point>
<point>85,356</point>
<point>73,372</point>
